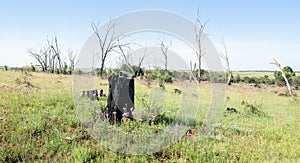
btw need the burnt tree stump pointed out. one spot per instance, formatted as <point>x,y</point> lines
<point>120,101</point>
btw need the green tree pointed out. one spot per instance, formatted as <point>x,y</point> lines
<point>289,73</point>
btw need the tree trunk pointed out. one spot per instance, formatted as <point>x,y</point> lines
<point>120,102</point>
<point>283,75</point>
<point>229,78</point>
<point>199,66</point>
<point>102,68</point>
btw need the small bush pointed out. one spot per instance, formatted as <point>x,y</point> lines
<point>167,78</point>
<point>56,71</point>
<point>204,75</point>
<point>158,74</point>
<point>253,109</point>
<point>289,73</point>
<point>250,79</point>
<point>69,71</point>
<point>32,68</point>
<point>237,79</point>
<point>296,82</point>
<point>65,69</point>
<point>5,68</point>
<point>97,71</point>
<point>78,72</point>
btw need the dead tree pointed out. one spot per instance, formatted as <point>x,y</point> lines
<point>283,75</point>
<point>140,61</point>
<point>71,56</point>
<point>125,51</point>
<point>125,56</point>
<point>107,42</point>
<point>41,58</point>
<point>164,49</point>
<point>192,69</point>
<point>56,55</point>
<point>225,57</point>
<point>199,31</point>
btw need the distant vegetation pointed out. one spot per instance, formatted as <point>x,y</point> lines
<point>159,74</point>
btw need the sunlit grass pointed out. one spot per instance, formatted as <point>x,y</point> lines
<point>39,123</point>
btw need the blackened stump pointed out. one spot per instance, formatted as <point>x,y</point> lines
<point>120,98</point>
<point>231,110</point>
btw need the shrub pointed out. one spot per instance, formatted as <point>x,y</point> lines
<point>296,82</point>
<point>204,75</point>
<point>218,77</point>
<point>69,71</point>
<point>183,75</point>
<point>32,68</point>
<point>236,79</point>
<point>5,68</point>
<point>78,72</point>
<point>265,80</point>
<point>138,71</point>
<point>56,70</point>
<point>167,78</point>
<point>289,73</point>
<point>97,71</point>
<point>149,75</point>
<point>248,79</point>
<point>253,109</point>
<point>65,69</point>
<point>158,74</point>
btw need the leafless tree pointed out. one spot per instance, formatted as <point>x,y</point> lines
<point>192,70</point>
<point>107,42</point>
<point>164,49</point>
<point>199,31</point>
<point>56,55</point>
<point>225,57</point>
<point>41,57</point>
<point>47,56</point>
<point>141,59</point>
<point>125,55</point>
<point>275,62</point>
<point>71,56</point>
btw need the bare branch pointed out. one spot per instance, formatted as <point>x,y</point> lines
<point>72,56</point>
<point>164,49</point>
<point>225,57</point>
<point>108,43</point>
<point>199,32</point>
<point>125,56</point>
<point>42,57</point>
<point>192,76</point>
<point>141,59</point>
<point>56,54</point>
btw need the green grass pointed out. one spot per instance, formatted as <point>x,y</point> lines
<point>254,74</point>
<point>38,120</point>
<point>257,74</point>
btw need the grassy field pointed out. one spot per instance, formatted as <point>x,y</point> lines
<point>257,74</point>
<point>38,123</point>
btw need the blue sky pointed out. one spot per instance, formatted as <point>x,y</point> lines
<point>255,31</point>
